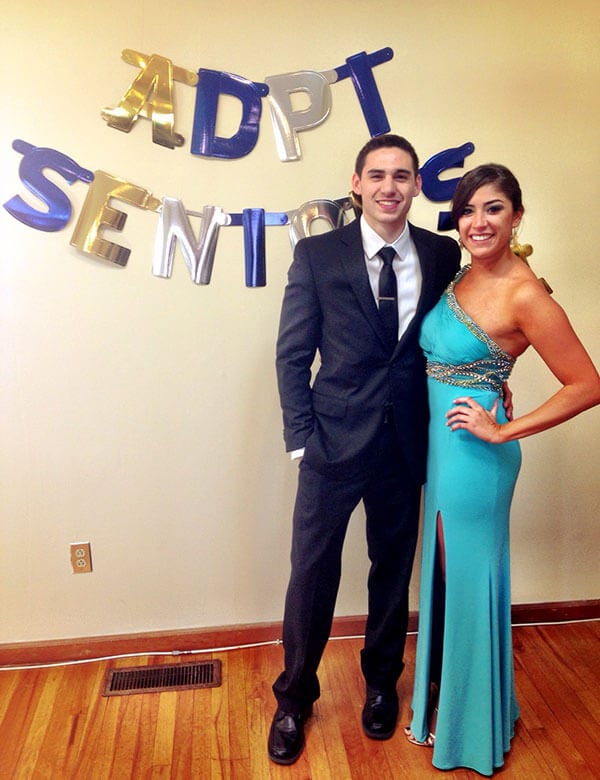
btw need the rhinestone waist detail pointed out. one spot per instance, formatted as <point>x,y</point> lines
<point>487,374</point>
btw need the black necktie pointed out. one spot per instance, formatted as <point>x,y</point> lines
<point>388,294</point>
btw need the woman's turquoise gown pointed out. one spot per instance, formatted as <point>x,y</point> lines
<point>470,485</point>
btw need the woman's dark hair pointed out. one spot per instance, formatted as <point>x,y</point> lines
<point>491,173</point>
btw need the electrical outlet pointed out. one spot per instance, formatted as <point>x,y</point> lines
<point>81,557</point>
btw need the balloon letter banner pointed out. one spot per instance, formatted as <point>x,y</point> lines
<point>35,159</point>
<point>96,213</point>
<point>151,96</point>
<point>211,84</point>
<point>287,122</point>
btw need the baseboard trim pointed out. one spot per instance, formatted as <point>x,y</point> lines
<point>229,637</point>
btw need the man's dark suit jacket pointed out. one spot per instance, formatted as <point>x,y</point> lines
<point>329,308</point>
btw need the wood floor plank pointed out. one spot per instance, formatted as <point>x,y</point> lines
<point>162,755</point>
<point>128,711</point>
<point>107,751</point>
<point>32,760</point>
<point>261,668</point>
<point>184,736</point>
<point>237,716</point>
<point>60,748</point>
<point>335,721</point>
<point>8,684</point>
<point>20,690</point>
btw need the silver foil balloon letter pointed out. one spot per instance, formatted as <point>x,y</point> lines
<point>174,226</point>
<point>328,210</point>
<point>287,122</point>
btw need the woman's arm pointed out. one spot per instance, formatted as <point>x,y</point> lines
<point>548,330</point>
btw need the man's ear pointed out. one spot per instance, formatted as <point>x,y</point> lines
<point>418,184</point>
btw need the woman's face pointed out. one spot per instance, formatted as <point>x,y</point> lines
<point>487,221</point>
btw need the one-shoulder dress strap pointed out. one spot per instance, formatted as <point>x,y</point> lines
<point>461,315</point>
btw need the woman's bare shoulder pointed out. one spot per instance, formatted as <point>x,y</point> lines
<point>526,287</point>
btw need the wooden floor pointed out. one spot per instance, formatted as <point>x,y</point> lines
<point>55,723</point>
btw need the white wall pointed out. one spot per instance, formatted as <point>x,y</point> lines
<point>140,413</point>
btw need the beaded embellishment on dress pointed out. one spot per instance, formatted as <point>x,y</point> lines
<point>489,373</point>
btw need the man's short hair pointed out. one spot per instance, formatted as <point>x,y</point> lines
<point>381,141</point>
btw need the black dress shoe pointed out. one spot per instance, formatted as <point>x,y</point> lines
<point>380,714</point>
<point>286,737</point>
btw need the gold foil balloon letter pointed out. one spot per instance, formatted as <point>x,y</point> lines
<point>151,96</point>
<point>96,213</point>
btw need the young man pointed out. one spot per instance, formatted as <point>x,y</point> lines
<point>359,428</point>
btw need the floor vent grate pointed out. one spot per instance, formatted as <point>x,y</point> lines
<point>162,677</point>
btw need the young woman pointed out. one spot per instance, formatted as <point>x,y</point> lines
<point>464,703</point>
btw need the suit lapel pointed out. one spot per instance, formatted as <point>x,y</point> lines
<point>427,277</point>
<point>353,262</point>
<point>428,265</point>
<point>428,271</point>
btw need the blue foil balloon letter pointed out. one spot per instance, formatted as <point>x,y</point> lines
<point>286,121</point>
<point>254,247</point>
<point>211,84</point>
<point>439,190</point>
<point>359,68</point>
<point>254,221</point>
<point>35,159</point>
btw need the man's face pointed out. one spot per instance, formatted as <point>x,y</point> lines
<point>387,186</point>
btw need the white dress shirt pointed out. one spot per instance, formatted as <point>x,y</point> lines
<point>406,266</point>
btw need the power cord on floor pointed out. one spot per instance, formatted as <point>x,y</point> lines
<point>274,642</point>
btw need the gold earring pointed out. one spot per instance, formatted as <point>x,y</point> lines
<point>523,251</point>
<point>460,243</point>
<point>520,250</point>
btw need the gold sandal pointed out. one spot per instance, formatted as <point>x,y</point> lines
<point>432,718</point>
<point>428,742</point>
